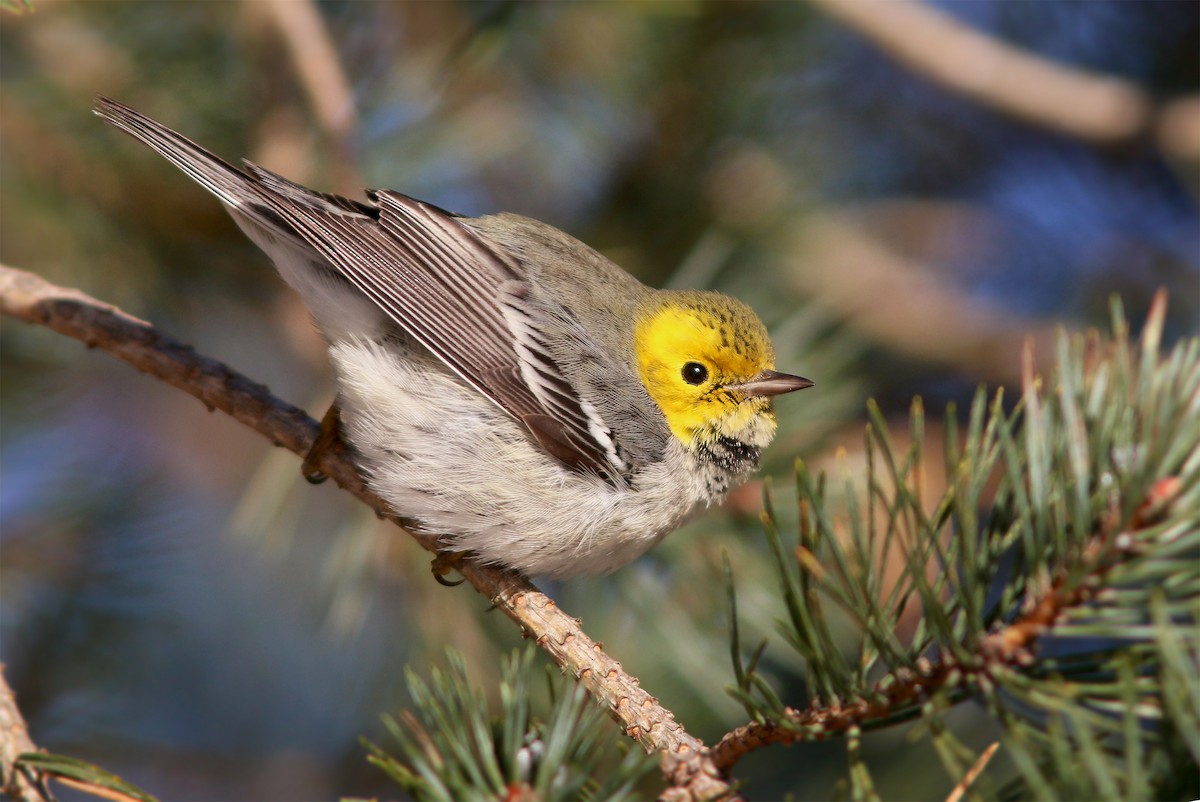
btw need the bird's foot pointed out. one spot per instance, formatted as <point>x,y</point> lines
<point>444,563</point>
<point>328,437</point>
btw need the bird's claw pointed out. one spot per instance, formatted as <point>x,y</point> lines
<point>329,435</point>
<point>444,563</point>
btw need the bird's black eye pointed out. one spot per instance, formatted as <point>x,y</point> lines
<point>694,373</point>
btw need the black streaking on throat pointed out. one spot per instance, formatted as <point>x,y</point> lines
<point>728,455</point>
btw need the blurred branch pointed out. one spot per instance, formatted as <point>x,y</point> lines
<point>686,764</point>
<point>961,789</point>
<point>16,6</point>
<point>897,301</point>
<point>14,740</point>
<point>316,61</point>
<point>1096,108</point>
<point>1179,128</point>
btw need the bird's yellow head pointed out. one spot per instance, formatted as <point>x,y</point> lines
<point>708,363</point>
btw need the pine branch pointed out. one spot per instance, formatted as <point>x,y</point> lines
<point>686,766</point>
<point>1072,521</point>
<point>453,748</point>
<point>1011,648</point>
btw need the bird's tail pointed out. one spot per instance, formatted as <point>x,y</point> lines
<point>255,198</point>
<point>235,188</point>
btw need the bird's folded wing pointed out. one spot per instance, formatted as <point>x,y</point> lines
<point>462,298</point>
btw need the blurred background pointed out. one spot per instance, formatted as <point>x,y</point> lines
<point>904,191</point>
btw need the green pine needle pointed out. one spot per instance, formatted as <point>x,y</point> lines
<point>453,747</point>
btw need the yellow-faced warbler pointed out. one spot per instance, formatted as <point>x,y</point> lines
<point>502,383</point>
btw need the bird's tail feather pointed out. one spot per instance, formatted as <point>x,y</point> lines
<point>235,188</point>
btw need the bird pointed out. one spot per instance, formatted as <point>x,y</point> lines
<point>499,382</point>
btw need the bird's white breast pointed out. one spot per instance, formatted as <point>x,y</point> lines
<point>440,453</point>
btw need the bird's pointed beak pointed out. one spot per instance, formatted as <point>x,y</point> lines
<point>769,383</point>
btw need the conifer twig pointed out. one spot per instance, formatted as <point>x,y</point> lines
<point>686,765</point>
<point>1010,647</point>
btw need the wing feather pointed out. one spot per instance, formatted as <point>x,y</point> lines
<point>468,303</point>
